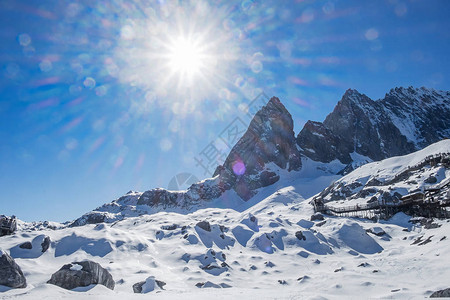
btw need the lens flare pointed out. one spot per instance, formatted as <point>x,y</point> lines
<point>238,167</point>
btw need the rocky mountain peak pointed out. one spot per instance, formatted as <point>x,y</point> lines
<point>406,120</point>
<point>267,147</point>
<point>269,139</point>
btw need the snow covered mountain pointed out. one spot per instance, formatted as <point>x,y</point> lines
<point>277,248</point>
<point>265,150</point>
<point>359,130</point>
<point>388,180</point>
<point>404,121</point>
<point>249,232</point>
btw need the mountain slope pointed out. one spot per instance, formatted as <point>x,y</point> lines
<point>272,250</point>
<point>405,120</point>
<point>388,180</point>
<point>266,149</point>
<point>359,130</point>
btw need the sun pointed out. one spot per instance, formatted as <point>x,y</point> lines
<point>186,58</point>
<point>181,59</point>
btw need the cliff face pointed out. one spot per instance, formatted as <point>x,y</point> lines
<point>269,139</point>
<point>405,120</point>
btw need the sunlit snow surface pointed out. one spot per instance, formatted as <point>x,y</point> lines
<point>337,259</point>
<point>253,249</point>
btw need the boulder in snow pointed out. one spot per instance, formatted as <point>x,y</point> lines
<point>149,285</point>
<point>317,217</point>
<point>10,273</point>
<point>45,244</point>
<point>26,245</point>
<point>299,235</point>
<point>378,231</point>
<point>81,274</point>
<point>204,225</point>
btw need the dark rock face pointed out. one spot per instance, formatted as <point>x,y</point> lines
<point>441,294</point>
<point>299,235</point>
<point>269,139</point>
<point>80,274</point>
<point>90,218</point>
<point>10,273</point>
<point>45,244</point>
<point>317,217</point>
<point>406,120</point>
<point>384,189</point>
<point>26,245</point>
<point>204,225</point>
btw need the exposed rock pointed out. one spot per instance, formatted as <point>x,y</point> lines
<point>319,224</point>
<point>441,294</point>
<point>209,284</point>
<point>80,274</point>
<point>317,217</point>
<point>266,147</point>
<point>269,139</point>
<point>364,264</point>
<point>148,285</point>
<point>269,264</point>
<point>45,244</point>
<point>370,128</point>
<point>357,126</point>
<point>10,273</point>
<point>299,235</point>
<point>26,245</point>
<point>93,217</point>
<point>432,179</point>
<point>204,225</point>
<point>169,227</point>
<point>378,231</point>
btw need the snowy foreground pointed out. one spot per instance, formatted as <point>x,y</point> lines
<point>263,257</point>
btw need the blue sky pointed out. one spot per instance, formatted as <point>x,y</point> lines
<point>92,105</point>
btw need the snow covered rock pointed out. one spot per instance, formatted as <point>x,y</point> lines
<point>387,181</point>
<point>406,120</point>
<point>81,274</point>
<point>441,294</point>
<point>209,284</point>
<point>149,285</point>
<point>10,273</point>
<point>355,237</point>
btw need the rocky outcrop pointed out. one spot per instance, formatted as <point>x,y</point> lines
<point>388,181</point>
<point>269,139</point>
<point>81,274</point>
<point>406,120</point>
<point>10,273</point>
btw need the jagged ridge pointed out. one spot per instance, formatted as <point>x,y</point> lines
<point>405,120</point>
<point>269,139</point>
